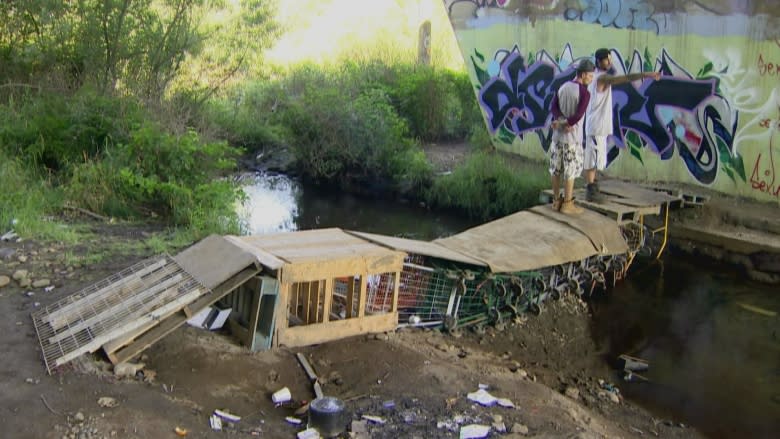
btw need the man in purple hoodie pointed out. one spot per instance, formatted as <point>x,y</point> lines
<point>568,109</point>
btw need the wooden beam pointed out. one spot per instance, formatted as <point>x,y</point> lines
<point>350,297</point>
<point>328,300</point>
<point>323,332</point>
<point>396,286</point>
<point>362,295</point>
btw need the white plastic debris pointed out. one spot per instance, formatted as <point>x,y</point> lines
<point>483,386</point>
<point>49,288</point>
<point>309,433</point>
<point>215,422</point>
<point>503,402</point>
<point>482,397</point>
<point>474,431</point>
<point>227,416</point>
<point>107,402</point>
<point>293,421</point>
<point>374,419</point>
<point>282,395</point>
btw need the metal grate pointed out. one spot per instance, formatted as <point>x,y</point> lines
<point>119,306</point>
<point>424,292</point>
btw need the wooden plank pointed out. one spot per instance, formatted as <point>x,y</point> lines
<point>604,234</point>
<point>362,294</point>
<point>350,297</point>
<point>173,322</point>
<point>418,247</point>
<point>634,192</point>
<point>323,332</point>
<point>328,300</point>
<point>342,267</point>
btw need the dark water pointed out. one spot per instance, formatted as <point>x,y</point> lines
<point>714,364</point>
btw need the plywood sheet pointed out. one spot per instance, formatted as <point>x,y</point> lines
<point>603,233</point>
<point>424,248</point>
<point>637,195</point>
<point>214,260</point>
<point>522,241</point>
<point>313,245</point>
<point>263,257</point>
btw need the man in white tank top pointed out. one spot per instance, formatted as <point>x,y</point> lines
<point>568,107</point>
<point>598,124</point>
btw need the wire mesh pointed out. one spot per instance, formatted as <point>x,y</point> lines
<point>113,307</point>
<point>424,292</point>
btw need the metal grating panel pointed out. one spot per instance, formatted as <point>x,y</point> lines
<point>424,292</point>
<point>119,306</point>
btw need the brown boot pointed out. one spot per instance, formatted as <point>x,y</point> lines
<point>569,208</point>
<point>556,204</point>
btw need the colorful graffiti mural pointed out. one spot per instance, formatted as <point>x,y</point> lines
<point>710,120</point>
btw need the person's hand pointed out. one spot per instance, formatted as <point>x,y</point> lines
<point>654,75</point>
<point>568,128</point>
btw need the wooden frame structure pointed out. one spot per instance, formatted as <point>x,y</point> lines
<point>331,285</point>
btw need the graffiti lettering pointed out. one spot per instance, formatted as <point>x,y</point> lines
<point>765,181</point>
<point>622,14</point>
<point>676,112</point>
<point>767,68</point>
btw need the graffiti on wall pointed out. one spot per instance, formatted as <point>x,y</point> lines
<point>621,14</point>
<point>679,112</point>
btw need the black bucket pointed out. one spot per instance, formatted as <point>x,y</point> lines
<point>326,415</point>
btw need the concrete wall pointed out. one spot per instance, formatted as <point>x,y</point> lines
<point>712,120</point>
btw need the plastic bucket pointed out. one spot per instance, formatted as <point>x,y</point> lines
<point>327,416</point>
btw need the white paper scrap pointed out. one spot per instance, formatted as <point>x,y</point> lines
<point>474,431</point>
<point>482,397</point>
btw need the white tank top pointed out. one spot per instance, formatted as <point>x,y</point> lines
<point>598,119</point>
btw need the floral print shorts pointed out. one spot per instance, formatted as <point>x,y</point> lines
<point>566,160</point>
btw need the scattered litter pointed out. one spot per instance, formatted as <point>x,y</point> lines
<point>503,402</point>
<point>31,381</point>
<point>180,431</point>
<point>634,377</point>
<point>309,433</point>
<point>292,420</point>
<point>29,294</point>
<point>215,422</point>
<point>36,304</point>
<point>482,397</point>
<point>281,396</point>
<point>49,288</point>
<point>483,386</point>
<point>107,402</point>
<point>374,419</point>
<point>634,364</point>
<point>388,404</point>
<point>474,431</point>
<point>227,416</point>
<point>8,236</point>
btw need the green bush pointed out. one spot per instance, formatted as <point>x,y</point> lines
<point>486,187</point>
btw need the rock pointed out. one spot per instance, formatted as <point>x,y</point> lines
<point>573,392</point>
<point>123,370</point>
<point>7,253</point>
<point>22,259</point>
<point>107,402</point>
<point>4,280</point>
<point>24,283</point>
<point>519,429</point>
<point>20,274</point>
<point>79,417</point>
<point>40,283</point>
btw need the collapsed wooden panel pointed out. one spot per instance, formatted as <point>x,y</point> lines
<point>121,304</point>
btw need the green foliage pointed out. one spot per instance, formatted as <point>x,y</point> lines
<point>486,187</point>
<point>174,177</point>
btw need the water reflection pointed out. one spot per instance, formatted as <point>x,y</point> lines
<point>713,363</point>
<point>278,203</point>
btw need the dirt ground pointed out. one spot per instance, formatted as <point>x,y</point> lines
<point>416,380</point>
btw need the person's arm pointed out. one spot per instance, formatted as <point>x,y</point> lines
<point>606,80</point>
<point>555,108</point>
<point>582,106</point>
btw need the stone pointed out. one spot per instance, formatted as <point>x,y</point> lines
<point>127,369</point>
<point>7,253</point>
<point>572,392</point>
<point>20,274</point>
<point>24,283</point>
<point>22,259</point>
<point>79,417</point>
<point>41,283</point>
<point>4,280</point>
<point>518,428</point>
